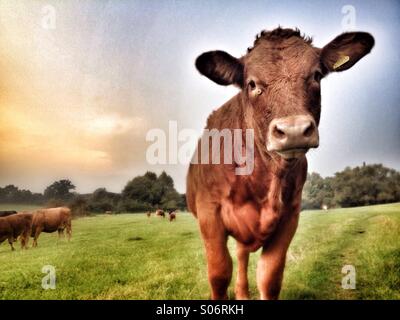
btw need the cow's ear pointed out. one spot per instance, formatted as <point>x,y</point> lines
<point>221,68</point>
<point>345,50</point>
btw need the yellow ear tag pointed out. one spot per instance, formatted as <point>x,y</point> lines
<point>341,61</point>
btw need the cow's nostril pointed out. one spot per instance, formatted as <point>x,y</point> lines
<point>309,130</point>
<point>278,133</point>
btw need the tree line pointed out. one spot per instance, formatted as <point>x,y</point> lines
<point>360,186</point>
<point>363,185</point>
<point>142,193</point>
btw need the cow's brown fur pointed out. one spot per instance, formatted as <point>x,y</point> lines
<point>172,215</point>
<point>260,210</point>
<point>14,226</point>
<point>7,213</point>
<point>160,213</point>
<point>51,220</point>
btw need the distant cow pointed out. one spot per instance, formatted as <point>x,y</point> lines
<point>7,213</point>
<point>278,108</point>
<point>160,213</point>
<point>109,212</point>
<point>51,220</point>
<point>15,225</point>
<point>172,215</point>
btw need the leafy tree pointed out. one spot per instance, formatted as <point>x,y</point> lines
<point>359,186</point>
<point>317,192</point>
<point>150,192</point>
<point>366,185</point>
<point>101,201</point>
<point>140,189</point>
<point>59,190</point>
<point>10,193</point>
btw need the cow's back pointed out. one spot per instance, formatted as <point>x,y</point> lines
<point>7,213</point>
<point>20,222</point>
<point>50,220</point>
<point>15,225</point>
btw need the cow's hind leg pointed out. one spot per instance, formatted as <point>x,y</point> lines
<point>69,230</point>
<point>11,242</point>
<point>61,233</point>
<point>272,261</point>
<point>36,236</point>
<point>242,283</point>
<point>24,240</point>
<point>219,262</point>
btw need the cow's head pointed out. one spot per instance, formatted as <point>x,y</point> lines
<point>280,81</point>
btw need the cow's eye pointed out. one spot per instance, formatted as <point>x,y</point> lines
<point>317,76</point>
<point>254,88</point>
<point>252,85</point>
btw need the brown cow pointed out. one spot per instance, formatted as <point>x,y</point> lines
<point>172,215</point>
<point>7,213</point>
<point>160,213</point>
<point>279,102</point>
<point>51,220</point>
<point>13,226</point>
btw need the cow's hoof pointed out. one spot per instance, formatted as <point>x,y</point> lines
<point>242,296</point>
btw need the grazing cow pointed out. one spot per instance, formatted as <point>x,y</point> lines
<point>7,213</point>
<point>51,220</point>
<point>172,215</point>
<point>13,226</point>
<point>160,213</point>
<point>279,103</point>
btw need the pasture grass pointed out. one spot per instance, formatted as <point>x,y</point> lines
<point>130,256</point>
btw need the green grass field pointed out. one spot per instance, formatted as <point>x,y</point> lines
<point>130,256</point>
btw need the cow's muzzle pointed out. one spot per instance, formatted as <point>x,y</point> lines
<point>291,137</point>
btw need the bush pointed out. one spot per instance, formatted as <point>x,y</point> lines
<point>128,205</point>
<point>101,206</point>
<point>55,203</point>
<point>79,206</point>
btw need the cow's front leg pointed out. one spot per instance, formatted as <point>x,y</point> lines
<point>219,262</point>
<point>272,261</point>
<point>242,283</point>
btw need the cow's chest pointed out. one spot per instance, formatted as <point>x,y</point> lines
<point>256,205</point>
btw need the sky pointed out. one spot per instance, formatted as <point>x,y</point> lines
<point>83,82</point>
